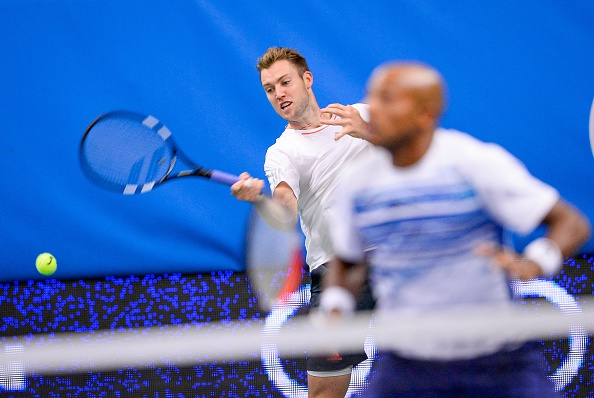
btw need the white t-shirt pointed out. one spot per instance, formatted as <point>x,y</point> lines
<point>311,163</point>
<point>422,222</point>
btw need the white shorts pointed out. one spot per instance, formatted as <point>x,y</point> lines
<point>331,373</point>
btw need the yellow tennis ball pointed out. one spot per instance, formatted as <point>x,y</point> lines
<point>46,264</point>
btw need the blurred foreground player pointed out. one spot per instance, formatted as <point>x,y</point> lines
<point>433,204</point>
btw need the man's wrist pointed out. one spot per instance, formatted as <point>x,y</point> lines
<point>546,254</point>
<point>259,199</point>
<point>337,298</point>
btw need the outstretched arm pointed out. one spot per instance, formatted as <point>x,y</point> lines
<point>348,117</point>
<point>280,211</point>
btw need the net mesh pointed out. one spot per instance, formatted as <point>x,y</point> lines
<point>207,335</point>
<point>286,334</point>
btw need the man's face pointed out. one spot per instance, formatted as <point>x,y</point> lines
<point>394,111</point>
<point>286,90</point>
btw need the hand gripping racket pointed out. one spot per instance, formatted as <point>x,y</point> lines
<point>131,153</point>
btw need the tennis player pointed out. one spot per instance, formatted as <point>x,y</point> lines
<point>303,167</point>
<point>434,204</point>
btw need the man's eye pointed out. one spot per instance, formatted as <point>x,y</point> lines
<point>286,82</point>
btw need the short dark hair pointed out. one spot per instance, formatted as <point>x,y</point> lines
<point>274,54</point>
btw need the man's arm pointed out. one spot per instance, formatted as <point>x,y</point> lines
<point>567,227</point>
<point>280,211</point>
<point>567,231</point>
<point>350,276</point>
<point>343,281</point>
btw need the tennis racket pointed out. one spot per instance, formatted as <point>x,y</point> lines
<point>275,263</point>
<point>132,153</point>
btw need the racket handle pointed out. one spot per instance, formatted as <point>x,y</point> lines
<point>224,178</point>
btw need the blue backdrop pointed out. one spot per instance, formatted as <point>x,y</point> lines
<point>519,74</point>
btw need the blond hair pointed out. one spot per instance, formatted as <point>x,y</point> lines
<point>274,54</point>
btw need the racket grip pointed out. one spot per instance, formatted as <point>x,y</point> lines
<point>223,178</point>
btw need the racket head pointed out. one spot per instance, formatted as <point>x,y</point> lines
<point>127,152</point>
<point>275,262</point>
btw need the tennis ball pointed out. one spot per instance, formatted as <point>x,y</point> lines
<point>46,264</point>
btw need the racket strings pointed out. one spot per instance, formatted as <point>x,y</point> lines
<point>121,153</point>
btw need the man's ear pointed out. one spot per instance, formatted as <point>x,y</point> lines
<point>308,79</point>
<point>431,111</point>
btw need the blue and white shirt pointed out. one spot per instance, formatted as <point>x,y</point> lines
<point>420,223</point>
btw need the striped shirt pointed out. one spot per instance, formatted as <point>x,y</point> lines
<point>420,224</point>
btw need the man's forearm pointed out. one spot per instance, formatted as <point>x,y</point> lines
<point>277,215</point>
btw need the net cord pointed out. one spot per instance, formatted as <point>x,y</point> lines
<point>191,344</point>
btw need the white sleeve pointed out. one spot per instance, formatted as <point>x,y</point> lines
<point>363,111</point>
<point>515,198</point>
<point>279,167</point>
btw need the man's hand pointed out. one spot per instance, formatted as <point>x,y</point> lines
<point>348,118</point>
<point>510,261</point>
<point>275,212</point>
<point>247,188</point>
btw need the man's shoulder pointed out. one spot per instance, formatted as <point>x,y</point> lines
<point>284,137</point>
<point>473,156</point>
<point>456,137</point>
<point>456,142</point>
<point>363,110</point>
<point>284,145</point>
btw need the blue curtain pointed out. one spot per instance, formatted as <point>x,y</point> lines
<point>519,74</point>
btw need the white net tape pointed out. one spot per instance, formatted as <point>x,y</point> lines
<point>199,343</point>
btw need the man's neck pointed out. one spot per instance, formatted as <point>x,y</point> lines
<point>413,152</point>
